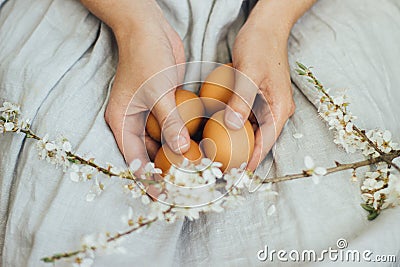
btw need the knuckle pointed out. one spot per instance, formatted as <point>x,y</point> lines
<point>171,124</point>
<point>248,69</point>
<point>265,85</point>
<point>241,106</point>
<point>112,119</point>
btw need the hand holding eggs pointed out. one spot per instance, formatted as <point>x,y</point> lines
<point>232,148</point>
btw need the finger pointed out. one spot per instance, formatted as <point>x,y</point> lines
<point>133,139</point>
<point>152,147</point>
<point>268,133</point>
<point>129,137</point>
<point>265,138</point>
<point>173,129</point>
<point>241,102</point>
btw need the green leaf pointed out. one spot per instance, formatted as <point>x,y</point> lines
<point>47,259</point>
<point>300,72</point>
<point>367,207</point>
<point>373,215</point>
<point>301,66</point>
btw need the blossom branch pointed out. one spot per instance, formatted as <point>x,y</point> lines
<point>380,188</point>
<point>74,158</point>
<point>304,71</point>
<point>338,168</point>
<point>60,256</point>
<point>141,222</point>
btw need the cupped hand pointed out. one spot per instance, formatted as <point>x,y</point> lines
<point>145,48</point>
<point>260,52</point>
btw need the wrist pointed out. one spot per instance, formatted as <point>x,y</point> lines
<point>125,16</point>
<point>278,16</point>
<point>142,16</point>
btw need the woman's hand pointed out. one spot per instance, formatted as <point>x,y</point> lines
<point>147,44</point>
<point>260,52</point>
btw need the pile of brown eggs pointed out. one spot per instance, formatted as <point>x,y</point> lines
<point>204,118</point>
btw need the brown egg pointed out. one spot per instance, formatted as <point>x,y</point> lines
<point>231,148</point>
<point>190,109</point>
<point>217,88</point>
<point>165,157</point>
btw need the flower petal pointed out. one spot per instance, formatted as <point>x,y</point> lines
<point>90,197</point>
<point>298,135</point>
<point>320,171</point>
<point>74,177</point>
<point>8,126</point>
<point>315,179</point>
<point>271,210</point>
<point>217,172</point>
<point>309,162</point>
<point>135,165</point>
<point>50,146</point>
<point>387,136</point>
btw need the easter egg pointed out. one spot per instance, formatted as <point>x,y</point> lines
<point>217,88</point>
<point>229,147</point>
<point>190,108</point>
<point>165,157</point>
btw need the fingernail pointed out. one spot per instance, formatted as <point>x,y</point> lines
<point>234,120</point>
<point>179,143</point>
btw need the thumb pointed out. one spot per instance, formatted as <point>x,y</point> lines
<point>241,102</point>
<point>172,127</point>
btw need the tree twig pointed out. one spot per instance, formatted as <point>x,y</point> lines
<point>339,167</point>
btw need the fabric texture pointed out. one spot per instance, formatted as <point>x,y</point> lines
<point>57,60</point>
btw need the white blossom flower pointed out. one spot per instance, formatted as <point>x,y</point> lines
<point>266,192</point>
<point>316,172</point>
<point>128,219</point>
<point>210,170</point>
<point>10,107</point>
<point>136,189</point>
<point>392,192</point>
<point>83,262</point>
<point>298,135</point>
<point>149,169</point>
<point>180,177</point>
<point>367,197</point>
<point>157,210</point>
<point>9,111</point>
<point>377,198</point>
<point>24,125</point>
<point>96,240</point>
<point>81,172</point>
<point>191,213</point>
<point>101,244</point>
<point>238,178</point>
<point>95,191</point>
<point>54,151</point>
<point>50,146</point>
<point>372,184</point>
<point>67,146</point>
<point>8,126</point>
